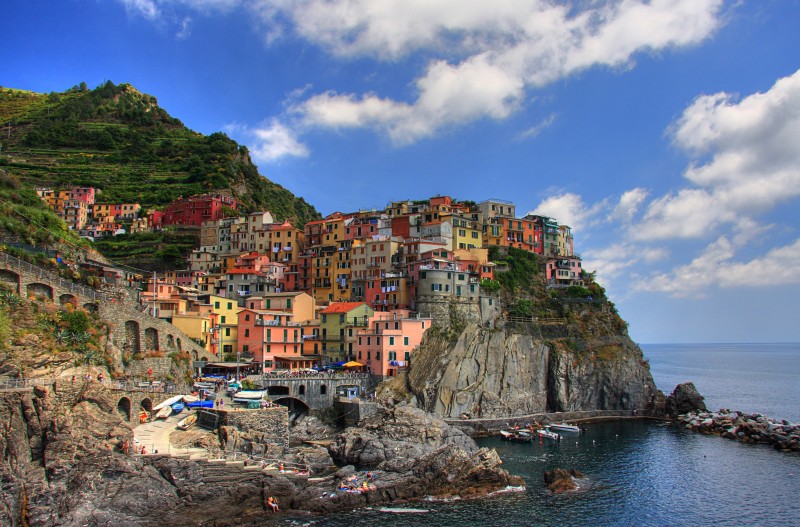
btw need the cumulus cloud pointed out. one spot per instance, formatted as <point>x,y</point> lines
<point>269,143</point>
<point>487,55</point>
<point>745,162</point>
<point>716,267</point>
<point>569,209</point>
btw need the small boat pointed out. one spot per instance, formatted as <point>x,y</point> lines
<point>248,395</point>
<point>169,402</point>
<point>515,436</point>
<point>178,407</point>
<point>164,412</point>
<point>187,422</point>
<point>190,398</point>
<point>547,434</point>
<point>564,427</point>
<point>200,404</point>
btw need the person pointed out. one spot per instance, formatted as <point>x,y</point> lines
<point>221,403</point>
<point>273,503</point>
<point>280,468</point>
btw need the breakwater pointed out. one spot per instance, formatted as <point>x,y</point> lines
<point>746,428</point>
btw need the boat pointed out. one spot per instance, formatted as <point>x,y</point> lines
<point>200,404</point>
<point>248,395</point>
<point>564,427</point>
<point>164,412</point>
<point>190,398</point>
<point>178,407</point>
<point>547,434</point>
<point>168,402</point>
<point>515,436</point>
<point>187,422</point>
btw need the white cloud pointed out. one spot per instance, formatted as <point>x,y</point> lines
<point>270,143</point>
<point>487,55</point>
<point>569,209</point>
<point>629,204</point>
<point>746,162</point>
<point>146,8</point>
<point>538,128</point>
<point>716,267</point>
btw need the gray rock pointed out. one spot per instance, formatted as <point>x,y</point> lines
<point>685,398</point>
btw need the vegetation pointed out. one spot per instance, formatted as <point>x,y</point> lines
<point>524,270</point>
<point>153,251</point>
<point>120,141</point>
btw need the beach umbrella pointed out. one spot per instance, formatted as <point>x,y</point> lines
<point>353,364</point>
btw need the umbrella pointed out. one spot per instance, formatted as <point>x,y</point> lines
<point>352,364</point>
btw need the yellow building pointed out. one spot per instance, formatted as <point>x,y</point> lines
<point>227,322</point>
<point>197,326</point>
<point>467,234</point>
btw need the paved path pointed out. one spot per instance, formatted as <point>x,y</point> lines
<point>154,436</point>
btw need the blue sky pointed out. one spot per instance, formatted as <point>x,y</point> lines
<point>665,132</point>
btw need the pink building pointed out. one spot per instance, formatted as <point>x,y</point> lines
<point>386,345</point>
<point>273,339</point>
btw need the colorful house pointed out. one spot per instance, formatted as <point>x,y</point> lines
<point>386,345</point>
<point>337,325</point>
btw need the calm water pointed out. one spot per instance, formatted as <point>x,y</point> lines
<point>645,473</point>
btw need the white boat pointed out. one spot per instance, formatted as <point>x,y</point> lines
<point>164,412</point>
<point>168,402</point>
<point>187,422</point>
<point>564,427</point>
<point>547,434</point>
<point>190,398</point>
<point>248,395</point>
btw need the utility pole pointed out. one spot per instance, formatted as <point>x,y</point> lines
<point>155,288</point>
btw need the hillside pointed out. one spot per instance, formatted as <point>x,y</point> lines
<point>121,142</point>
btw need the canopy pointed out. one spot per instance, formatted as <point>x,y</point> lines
<point>352,364</point>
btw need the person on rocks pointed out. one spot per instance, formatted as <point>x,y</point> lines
<point>273,504</point>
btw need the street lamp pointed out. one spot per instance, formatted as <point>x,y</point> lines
<point>237,364</point>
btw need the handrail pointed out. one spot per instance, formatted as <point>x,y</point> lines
<point>44,274</point>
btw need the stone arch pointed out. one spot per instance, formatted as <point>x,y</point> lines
<point>151,339</point>
<point>36,289</point>
<point>323,389</point>
<point>124,408</point>
<point>146,404</point>
<point>11,279</point>
<point>195,355</point>
<point>301,390</point>
<point>68,298</point>
<point>91,307</point>
<point>170,341</point>
<point>297,408</point>
<point>278,390</point>
<point>180,344</point>
<point>132,336</point>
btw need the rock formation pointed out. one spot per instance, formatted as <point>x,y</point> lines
<point>684,399</point>
<point>746,428</point>
<point>559,480</point>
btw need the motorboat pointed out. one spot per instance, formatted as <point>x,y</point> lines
<point>564,427</point>
<point>547,434</point>
<point>515,436</point>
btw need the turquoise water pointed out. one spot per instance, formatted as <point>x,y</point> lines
<point>646,473</point>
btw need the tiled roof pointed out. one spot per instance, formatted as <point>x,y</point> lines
<point>341,307</point>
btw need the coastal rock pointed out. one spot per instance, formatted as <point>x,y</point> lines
<point>685,398</point>
<point>757,428</point>
<point>560,480</point>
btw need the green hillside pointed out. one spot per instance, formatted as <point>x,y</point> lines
<point>121,142</point>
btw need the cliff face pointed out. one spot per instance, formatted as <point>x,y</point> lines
<point>584,362</point>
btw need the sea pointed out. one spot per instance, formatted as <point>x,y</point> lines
<point>645,473</point>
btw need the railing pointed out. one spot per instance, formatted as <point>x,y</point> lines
<point>22,384</point>
<point>52,278</point>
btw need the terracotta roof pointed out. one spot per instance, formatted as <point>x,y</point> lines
<point>341,307</point>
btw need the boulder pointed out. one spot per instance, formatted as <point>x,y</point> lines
<point>560,480</point>
<point>684,399</point>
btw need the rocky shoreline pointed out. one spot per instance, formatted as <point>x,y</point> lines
<point>746,428</point>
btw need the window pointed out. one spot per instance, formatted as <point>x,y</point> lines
<point>288,303</point>
<point>246,332</point>
<point>323,390</point>
<point>302,390</point>
<point>245,348</point>
<point>377,355</point>
<point>230,305</point>
<point>269,335</point>
<point>222,319</point>
<point>216,305</point>
<point>341,319</point>
<point>391,341</point>
<point>227,332</point>
<point>408,356</point>
<point>247,318</point>
<point>405,341</point>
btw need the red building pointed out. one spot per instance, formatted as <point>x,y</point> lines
<point>194,210</point>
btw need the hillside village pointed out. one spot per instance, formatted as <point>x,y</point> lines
<point>350,287</point>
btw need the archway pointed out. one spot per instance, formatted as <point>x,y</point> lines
<point>147,406</point>
<point>124,408</point>
<point>37,290</point>
<point>91,307</point>
<point>151,339</point>
<point>301,390</point>
<point>132,336</point>
<point>11,279</point>
<point>180,344</point>
<point>170,341</point>
<point>297,408</point>
<point>67,298</point>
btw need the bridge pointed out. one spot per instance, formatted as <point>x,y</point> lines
<point>138,331</point>
<point>310,392</point>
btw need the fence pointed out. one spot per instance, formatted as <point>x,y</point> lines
<point>53,279</point>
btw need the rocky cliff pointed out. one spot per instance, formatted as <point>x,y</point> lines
<point>582,361</point>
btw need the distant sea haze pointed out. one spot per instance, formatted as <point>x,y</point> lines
<point>758,378</point>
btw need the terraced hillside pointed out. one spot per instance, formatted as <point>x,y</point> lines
<point>120,141</point>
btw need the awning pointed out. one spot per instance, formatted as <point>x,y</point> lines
<point>352,364</point>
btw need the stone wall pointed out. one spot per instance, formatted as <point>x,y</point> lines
<point>316,392</point>
<point>266,425</point>
<point>161,366</point>
<point>349,412</point>
<point>447,311</point>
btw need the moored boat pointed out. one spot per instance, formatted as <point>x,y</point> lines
<point>200,404</point>
<point>516,436</point>
<point>564,427</point>
<point>190,398</point>
<point>178,407</point>
<point>247,395</point>
<point>164,412</point>
<point>547,434</point>
<point>169,402</point>
<point>188,422</point>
